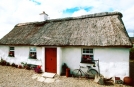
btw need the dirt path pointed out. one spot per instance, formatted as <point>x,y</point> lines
<point>15,77</point>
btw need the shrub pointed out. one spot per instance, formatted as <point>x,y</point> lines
<point>13,65</point>
<point>27,67</point>
<point>3,62</point>
<point>20,66</point>
<point>132,53</point>
<point>24,65</point>
<point>7,63</point>
<point>38,69</point>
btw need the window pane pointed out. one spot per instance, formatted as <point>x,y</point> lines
<point>87,55</point>
<point>11,53</point>
<point>86,58</point>
<point>84,50</point>
<point>33,55</point>
<point>11,48</point>
<point>91,56</point>
<point>32,49</point>
<point>87,50</point>
<point>91,51</point>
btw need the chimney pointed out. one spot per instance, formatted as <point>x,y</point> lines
<point>43,16</point>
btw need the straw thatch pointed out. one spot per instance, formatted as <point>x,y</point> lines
<point>100,29</point>
<point>132,39</point>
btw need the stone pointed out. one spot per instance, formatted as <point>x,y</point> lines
<point>41,79</point>
<point>49,80</point>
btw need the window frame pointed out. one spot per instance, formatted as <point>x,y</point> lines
<point>11,51</point>
<point>87,55</point>
<point>32,53</point>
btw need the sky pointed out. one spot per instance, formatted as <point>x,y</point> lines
<point>13,12</point>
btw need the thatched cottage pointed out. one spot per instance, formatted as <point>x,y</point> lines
<point>74,41</point>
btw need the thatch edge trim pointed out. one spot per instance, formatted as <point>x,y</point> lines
<point>73,18</point>
<point>124,46</point>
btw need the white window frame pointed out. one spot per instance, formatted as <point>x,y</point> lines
<point>32,53</point>
<point>87,55</point>
<point>11,52</point>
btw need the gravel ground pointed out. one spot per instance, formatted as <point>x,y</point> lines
<point>15,77</point>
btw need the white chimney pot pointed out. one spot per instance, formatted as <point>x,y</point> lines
<point>43,16</point>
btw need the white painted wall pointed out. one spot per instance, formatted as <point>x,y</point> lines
<point>4,51</point>
<point>59,60</point>
<point>71,56</point>
<point>21,55</point>
<point>43,59</point>
<point>113,61</point>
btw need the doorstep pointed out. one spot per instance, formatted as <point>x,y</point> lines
<point>48,75</point>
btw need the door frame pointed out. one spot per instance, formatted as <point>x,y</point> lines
<point>45,58</point>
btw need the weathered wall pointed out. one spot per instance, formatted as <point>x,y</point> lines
<point>59,60</point>
<point>4,51</point>
<point>21,55</point>
<point>113,61</point>
<point>71,56</point>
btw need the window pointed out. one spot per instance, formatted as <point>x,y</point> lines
<point>32,54</point>
<point>11,52</point>
<point>87,55</point>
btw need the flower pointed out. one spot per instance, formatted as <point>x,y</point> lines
<point>10,53</point>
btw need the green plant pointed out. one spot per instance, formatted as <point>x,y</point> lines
<point>32,66</point>
<point>13,65</point>
<point>7,63</point>
<point>3,62</point>
<point>28,67</point>
<point>132,53</point>
<point>24,64</point>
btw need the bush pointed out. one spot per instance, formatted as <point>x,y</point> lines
<point>38,69</point>
<point>24,65</point>
<point>7,64</point>
<point>13,65</point>
<point>3,62</point>
<point>132,53</point>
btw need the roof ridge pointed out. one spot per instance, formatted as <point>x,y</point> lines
<point>101,14</point>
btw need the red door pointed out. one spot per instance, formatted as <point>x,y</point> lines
<point>51,60</point>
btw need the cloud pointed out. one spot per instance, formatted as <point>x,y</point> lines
<point>18,11</point>
<point>79,13</point>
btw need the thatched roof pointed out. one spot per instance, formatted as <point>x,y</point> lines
<point>132,39</point>
<point>100,29</point>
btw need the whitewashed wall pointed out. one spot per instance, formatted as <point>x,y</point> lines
<point>59,60</point>
<point>71,56</point>
<point>113,61</point>
<point>4,51</point>
<point>21,55</point>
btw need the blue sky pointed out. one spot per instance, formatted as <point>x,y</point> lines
<point>36,2</point>
<point>75,9</point>
<point>21,11</point>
